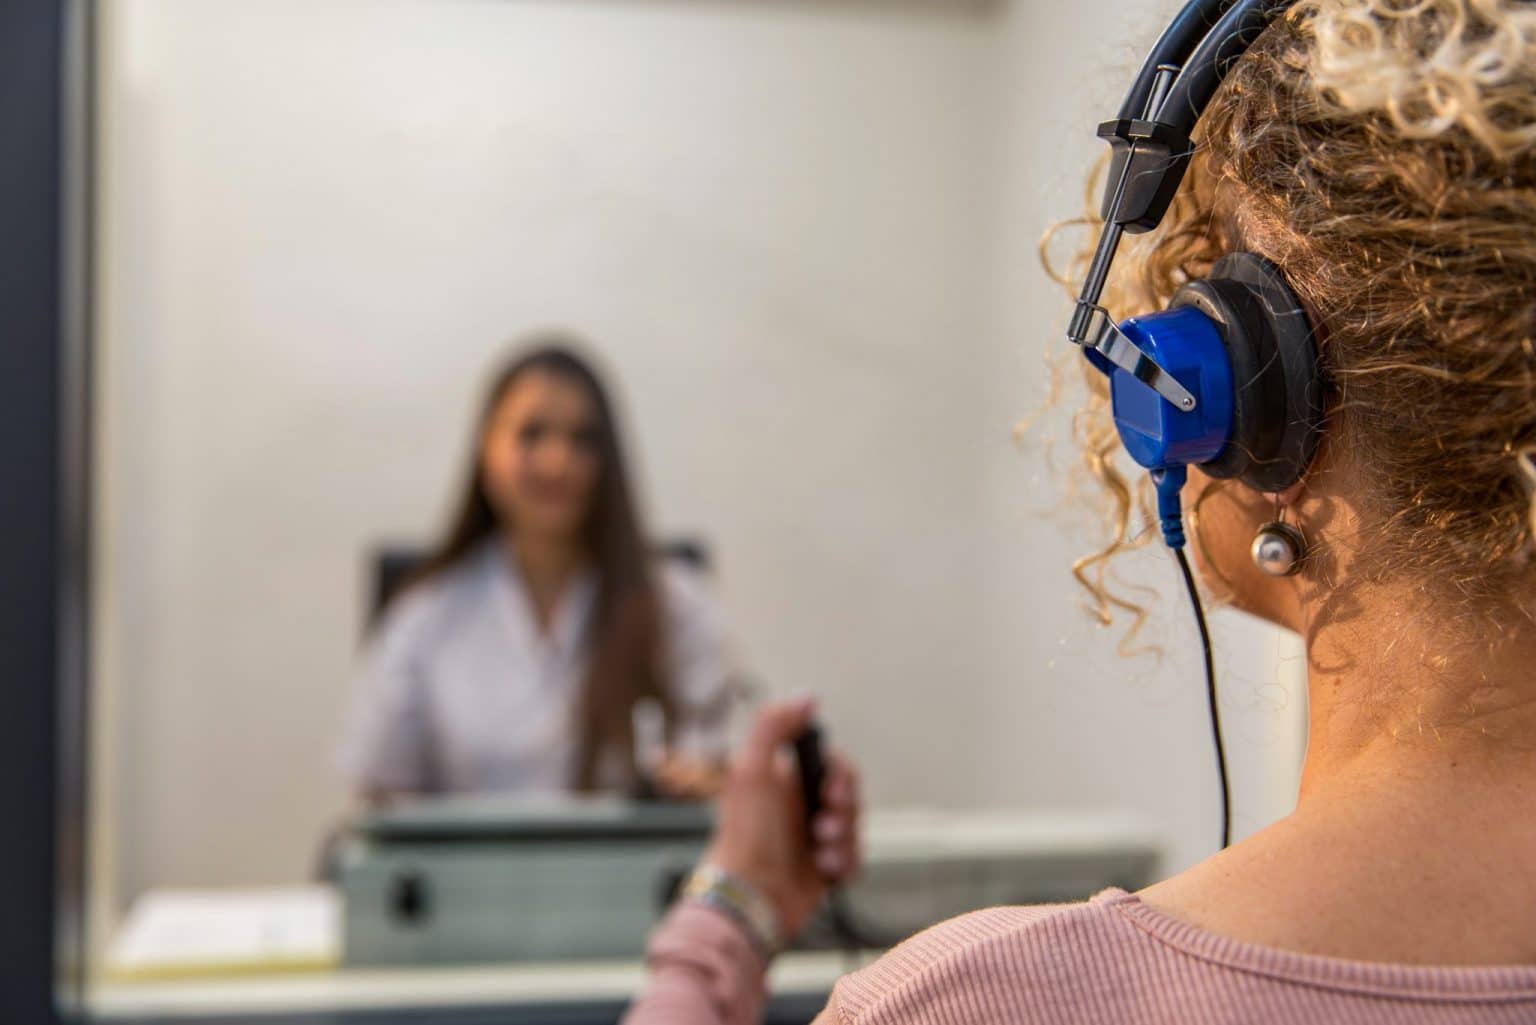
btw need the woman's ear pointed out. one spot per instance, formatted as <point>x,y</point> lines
<point>1228,517</point>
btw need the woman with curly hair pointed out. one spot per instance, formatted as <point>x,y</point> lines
<point>1382,153</point>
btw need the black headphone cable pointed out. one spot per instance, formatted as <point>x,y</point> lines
<point>1210,692</point>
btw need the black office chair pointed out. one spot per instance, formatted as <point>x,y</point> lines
<point>392,569</point>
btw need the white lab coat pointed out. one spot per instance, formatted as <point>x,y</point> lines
<point>459,692</point>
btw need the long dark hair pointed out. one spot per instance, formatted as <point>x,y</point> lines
<point>624,633</point>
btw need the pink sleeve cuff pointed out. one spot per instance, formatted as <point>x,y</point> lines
<point>704,971</point>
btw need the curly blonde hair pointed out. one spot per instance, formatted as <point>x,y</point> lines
<point>1383,152</point>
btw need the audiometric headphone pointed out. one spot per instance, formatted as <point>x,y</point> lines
<point>1227,378</point>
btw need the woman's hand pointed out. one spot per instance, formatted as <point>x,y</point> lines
<point>680,778</point>
<point>760,835</point>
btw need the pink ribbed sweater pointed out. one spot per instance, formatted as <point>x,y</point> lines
<point>1112,959</point>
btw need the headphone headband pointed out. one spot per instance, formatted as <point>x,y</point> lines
<point>1206,67</point>
<point>1228,378</point>
<point>1172,48</point>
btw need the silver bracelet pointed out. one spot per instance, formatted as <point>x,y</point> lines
<point>739,900</point>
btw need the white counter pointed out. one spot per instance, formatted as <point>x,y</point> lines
<point>319,992</point>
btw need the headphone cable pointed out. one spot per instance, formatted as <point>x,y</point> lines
<point>1210,691</point>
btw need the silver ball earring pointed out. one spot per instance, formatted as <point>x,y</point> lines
<point>1278,549</point>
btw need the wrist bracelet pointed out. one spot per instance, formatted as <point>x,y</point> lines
<point>740,900</point>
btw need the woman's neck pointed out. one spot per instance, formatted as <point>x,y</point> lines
<point>547,565</point>
<point>1403,690</point>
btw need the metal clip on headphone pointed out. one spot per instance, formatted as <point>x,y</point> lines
<point>1227,377</point>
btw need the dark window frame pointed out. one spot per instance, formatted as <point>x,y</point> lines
<point>44,310</point>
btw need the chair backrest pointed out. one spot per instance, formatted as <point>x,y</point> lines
<point>393,566</point>
<point>686,551</point>
<point>392,569</point>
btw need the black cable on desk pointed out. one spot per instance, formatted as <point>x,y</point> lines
<point>1210,691</point>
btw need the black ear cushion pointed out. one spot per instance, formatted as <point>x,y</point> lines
<point>1258,402</point>
<point>1278,409</point>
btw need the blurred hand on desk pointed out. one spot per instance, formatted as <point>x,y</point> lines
<point>680,778</point>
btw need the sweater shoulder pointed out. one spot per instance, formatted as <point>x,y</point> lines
<point>980,956</point>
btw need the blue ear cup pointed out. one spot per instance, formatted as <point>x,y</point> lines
<point>1187,343</point>
<point>1240,341</point>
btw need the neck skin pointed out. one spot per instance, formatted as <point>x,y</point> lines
<point>547,563</point>
<point>1412,697</point>
<point>1404,698</point>
<point>1416,814</point>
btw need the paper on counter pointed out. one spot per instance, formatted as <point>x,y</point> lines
<point>172,933</point>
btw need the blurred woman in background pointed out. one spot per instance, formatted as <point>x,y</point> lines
<point>516,658</point>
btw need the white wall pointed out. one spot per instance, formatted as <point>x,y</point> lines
<point>802,234</point>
